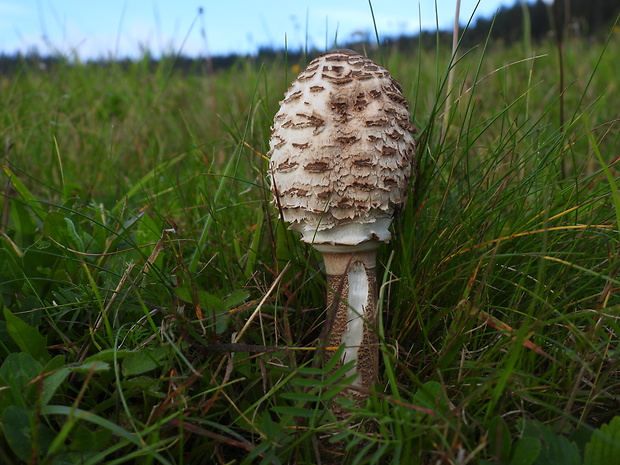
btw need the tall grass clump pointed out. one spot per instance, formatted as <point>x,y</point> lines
<point>156,310</point>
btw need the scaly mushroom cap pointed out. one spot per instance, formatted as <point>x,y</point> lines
<point>341,150</point>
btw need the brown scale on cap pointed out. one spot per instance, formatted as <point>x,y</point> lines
<point>347,109</point>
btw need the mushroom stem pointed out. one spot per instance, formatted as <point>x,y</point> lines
<point>352,310</point>
<point>341,158</point>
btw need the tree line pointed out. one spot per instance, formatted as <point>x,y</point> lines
<point>561,19</point>
<point>582,18</point>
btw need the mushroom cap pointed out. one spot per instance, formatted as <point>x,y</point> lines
<point>341,150</point>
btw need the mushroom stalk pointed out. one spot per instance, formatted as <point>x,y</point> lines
<point>352,310</point>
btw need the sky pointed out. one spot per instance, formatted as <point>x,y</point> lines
<point>200,28</point>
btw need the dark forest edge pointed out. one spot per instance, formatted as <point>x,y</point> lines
<point>534,21</point>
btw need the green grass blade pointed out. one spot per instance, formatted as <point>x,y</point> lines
<point>25,194</point>
<point>76,414</point>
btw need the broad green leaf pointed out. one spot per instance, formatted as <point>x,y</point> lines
<point>604,446</point>
<point>72,191</point>
<point>17,431</point>
<point>145,385</point>
<point>207,301</point>
<point>84,439</point>
<point>432,396</point>
<point>108,355</point>
<point>58,373</point>
<point>87,367</point>
<point>17,370</point>
<point>10,246</point>
<point>28,339</point>
<point>43,255</point>
<point>143,360</point>
<point>51,382</point>
<point>581,436</point>
<point>7,395</point>
<point>30,311</point>
<point>235,299</point>
<point>555,449</point>
<point>75,238</point>
<point>61,230</point>
<point>499,439</point>
<point>525,451</point>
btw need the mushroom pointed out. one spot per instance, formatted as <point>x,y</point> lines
<point>341,157</point>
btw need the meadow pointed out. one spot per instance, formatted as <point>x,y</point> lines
<point>156,310</point>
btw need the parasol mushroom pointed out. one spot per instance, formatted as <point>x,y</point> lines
<point>341,159</point>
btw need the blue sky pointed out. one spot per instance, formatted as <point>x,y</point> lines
<point>119,28</point>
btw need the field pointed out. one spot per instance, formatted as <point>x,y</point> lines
<point>156,310</point>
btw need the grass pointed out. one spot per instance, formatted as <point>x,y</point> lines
<point>155,310</point>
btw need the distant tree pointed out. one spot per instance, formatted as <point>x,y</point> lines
<point>507,24</point>
<point>590,18</point>
<point>587,17</point>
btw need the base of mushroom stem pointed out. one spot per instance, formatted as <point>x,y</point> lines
<point>352,312</point>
